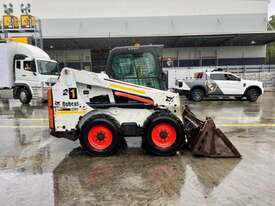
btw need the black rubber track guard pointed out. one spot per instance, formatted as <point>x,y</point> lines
<point>205,139</point>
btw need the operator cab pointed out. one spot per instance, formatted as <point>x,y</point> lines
<point>138,65</point>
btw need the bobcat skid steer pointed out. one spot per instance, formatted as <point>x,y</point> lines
<point>100,112</point>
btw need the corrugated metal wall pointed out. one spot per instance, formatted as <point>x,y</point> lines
<point>133,8</point>
<point>211,56</point>
<point>78,59</point>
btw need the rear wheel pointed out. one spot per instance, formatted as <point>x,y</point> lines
<point>100,135</point>
<point>24,95</point>
<point>252,95</point>
<point>163,134</point>
<point>197,95</point>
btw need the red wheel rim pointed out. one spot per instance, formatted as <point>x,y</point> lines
<point>100,137</point>
<point>164,135</point>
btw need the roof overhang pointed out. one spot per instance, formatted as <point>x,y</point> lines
<point>207,40</point>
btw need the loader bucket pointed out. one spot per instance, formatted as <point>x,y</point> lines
<point>205,139</point>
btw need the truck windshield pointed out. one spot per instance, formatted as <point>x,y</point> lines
<point>136,68</point>
<point>48,68</point>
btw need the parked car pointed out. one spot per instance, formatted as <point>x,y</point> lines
<point>219,84</point>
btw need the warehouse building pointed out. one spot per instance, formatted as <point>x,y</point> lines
<point>79,34</point>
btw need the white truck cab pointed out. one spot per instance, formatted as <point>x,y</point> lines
<point>28,70</point>
<point>219,84</point>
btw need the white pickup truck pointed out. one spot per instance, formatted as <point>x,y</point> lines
<point>27,70</point>
<point>219,84</point>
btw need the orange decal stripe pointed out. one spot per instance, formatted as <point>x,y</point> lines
<point>134,97</point>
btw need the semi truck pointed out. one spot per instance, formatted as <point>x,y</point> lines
<point>27,70</point>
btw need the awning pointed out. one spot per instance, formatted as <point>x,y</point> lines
<point>229,39</point>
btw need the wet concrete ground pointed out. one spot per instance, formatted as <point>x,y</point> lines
<point>37,169</point>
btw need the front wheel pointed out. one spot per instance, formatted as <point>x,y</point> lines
<point>252,95</point>
<point>100,135</point>
<point>197,95</point>
<point>163,134</point>
<point>24,95</point>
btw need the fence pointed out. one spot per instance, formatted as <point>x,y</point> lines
<point>264,73</point>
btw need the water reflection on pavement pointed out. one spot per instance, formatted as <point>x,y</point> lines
<point>38,169</point>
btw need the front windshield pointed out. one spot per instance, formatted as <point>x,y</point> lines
<point>136,68</point>
<point>48,68</point>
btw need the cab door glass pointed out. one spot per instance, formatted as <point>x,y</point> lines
<point>231,77</point>
<point>224,77</point>
<point>221,77</point>
<point>17,64</point>
<point>29,66</point>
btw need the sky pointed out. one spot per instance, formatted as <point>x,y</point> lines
<point>271,8</point>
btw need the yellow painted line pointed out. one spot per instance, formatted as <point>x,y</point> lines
<point>65,112</point>
<point>246,118</point>
<point>25,119</point>
<point>246,125</point>
<point>252,112</point>
<point>269,118</point>
<point>218,125</point>
<point>25,126</point>
<point>238,118</point>
<point>81,112</point>
<point>125,88</point>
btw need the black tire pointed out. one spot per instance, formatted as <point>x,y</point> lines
<point>24,95</point>
<point>252,95</point>
<point>155,120</point>
<point>197,95</point>
<point>97,121</point>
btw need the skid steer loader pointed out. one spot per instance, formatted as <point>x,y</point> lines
<point>100,111</point>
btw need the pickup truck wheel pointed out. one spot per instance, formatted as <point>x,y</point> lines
<point>197,95</point>
<point>252,95</point>
<point>163,134</point>
<point>24,95</point>
<point>100,135</point>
